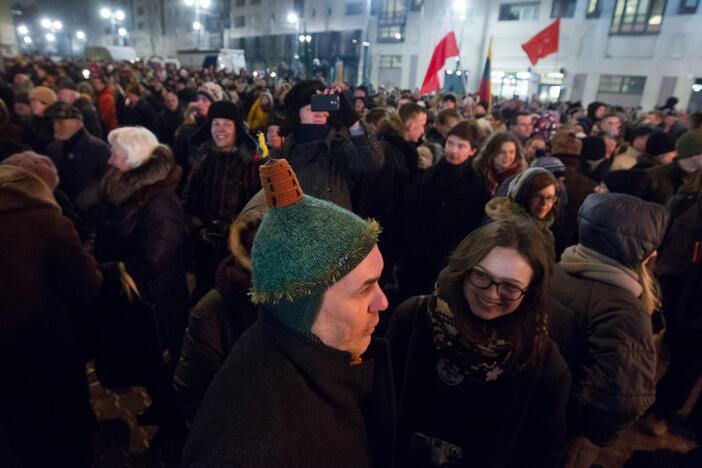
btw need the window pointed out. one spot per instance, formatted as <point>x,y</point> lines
<point>313,13</point>
<point>519,11</point>
<point>240,3</point>
<point>620,84</point>
<point>593,9</point>
<point>239,21</point>
<point>416,5</point>
<point>390,61</point>
<point>140,10</point>
<point>563,8</point>
<point>391,21</point>
<point>255,2</point>
<point>637,17</point>
<point>140,26</point>
<point>354,8</point>
<point>329,11</point>
<point>688,7</point>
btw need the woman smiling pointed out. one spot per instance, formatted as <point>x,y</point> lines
<point>478,381</point>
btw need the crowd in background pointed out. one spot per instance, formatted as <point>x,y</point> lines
<point>130,198</point>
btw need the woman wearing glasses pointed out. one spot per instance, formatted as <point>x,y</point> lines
<point>478,381</point>
<point>533,193</point>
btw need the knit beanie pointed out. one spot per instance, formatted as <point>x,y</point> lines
<point>550,163</point>
<point>660,143</point>
<point>211,91</point>
<point>43,94</point>
<point>566,143</point>
<point>303,246</point>
<point>594,148</point>
<point>40,166</point>
<point>520,179</point>
<point>690,144</point>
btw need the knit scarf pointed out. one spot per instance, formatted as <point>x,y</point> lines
<point>458,358</point>
<point>587,263</point>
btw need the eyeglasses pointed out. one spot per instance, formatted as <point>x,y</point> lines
<point>541,198</point>
<point>508,291</point>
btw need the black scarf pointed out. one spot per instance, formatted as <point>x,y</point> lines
<point>306,133</point>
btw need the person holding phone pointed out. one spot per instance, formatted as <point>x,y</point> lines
<point>326,143</point>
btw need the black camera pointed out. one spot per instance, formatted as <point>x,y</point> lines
<point>439,452</point>
<point>325,103</point>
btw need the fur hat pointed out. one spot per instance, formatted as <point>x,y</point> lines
<point>138,142</point>
<point>298,97</point>
<point>566,143</point>
<point>221,110</point>
<point>211,91</point>
<point>303,246</point>
<point>690,144</point>
<point>594,148</point>
<point>43,94</point>
<point>40,166</point>
<point>660,143</point>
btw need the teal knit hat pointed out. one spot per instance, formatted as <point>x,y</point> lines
<point>303,246</point>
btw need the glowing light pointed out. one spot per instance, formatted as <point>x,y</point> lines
<point>366,44</point>
<point>301,38</point>
<point>50,37</point>
<point>80,35</point>
<point>292,17</point>
<point>697,87</point>
<point>459,72</point>
<point>122,32</point>
<point>523,75</point>
<point>308,38</point>
<point>86,74</point>
<point>205,3</point>
<point>255,74</point>
<point>497,74</point>
<point>188,2</point>
<point>28,40</point>
<point>105,13</point>
<point>45,23</point>
<point>197,26</point>
<point>398,36</point>
<point>449,72</point>
<point>22,29</point>
<point>119,15</point>
<point>57,25</point>
<point>655,20</point>
<point>273,74</point>
<point>459,6</point>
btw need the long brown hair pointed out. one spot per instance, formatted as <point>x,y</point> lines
<point>534,185</point>
<point>526,326</point>
<point>483,162</point>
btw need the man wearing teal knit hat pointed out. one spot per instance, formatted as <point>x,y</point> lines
<point>306,385</point>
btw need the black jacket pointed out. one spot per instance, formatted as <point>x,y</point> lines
<point>168,123</point>
<point>39,133</point>
<point>329,168</point>
<point>81,162</point>
<point>91,120</point>
<point>142,114</point>
<point>284,400</point>
<point>383,194</point>
<point>514,421</point>
<point>444,204</point>
<point>578,186</point>
<point>605,336</point>
<point>215,324</point>
<point>143,226</point>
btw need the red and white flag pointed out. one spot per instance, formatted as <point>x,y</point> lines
<point>445,48</point>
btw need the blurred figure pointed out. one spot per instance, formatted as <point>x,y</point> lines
<point>68,94</point>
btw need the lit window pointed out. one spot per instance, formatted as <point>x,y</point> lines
<point>519,11</point>
<point>620,84</point>
<point>637,17</point>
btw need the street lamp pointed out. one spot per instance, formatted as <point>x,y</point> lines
<point>119,15</point>
<point>45,23</point>
<point>50,37</point>
<point>122,32</point>
<point>292,17</point>
<point>27,39</point>
<point>57,25</point>
<point>197,25</point>
<point>114,17</point>
<point>80,35</point>
<point>22,29</point>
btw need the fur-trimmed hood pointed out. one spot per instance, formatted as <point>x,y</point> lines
<point>119,187</point>
<point>244,228</point>
<point>503,207</point>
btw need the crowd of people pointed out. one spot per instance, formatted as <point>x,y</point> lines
<point>407,280</point>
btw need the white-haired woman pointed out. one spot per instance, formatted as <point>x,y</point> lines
<point>141,234</point>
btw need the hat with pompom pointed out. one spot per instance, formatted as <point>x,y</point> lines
<point>303,246</point>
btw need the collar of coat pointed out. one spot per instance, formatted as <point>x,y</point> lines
<point>20,190</point>
<point>160,170</point>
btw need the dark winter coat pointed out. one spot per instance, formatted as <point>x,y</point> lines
<point>143,226</point>
<point>383,197</point>
<point>606,338</point>
<point>48,285</point>
<point>215,324</point>
<point>141,114</point>
<point>218,188</point>
<point>514,421</point>
<point>578,186</point>
<point>168,123</point>
<point>91,120</point>
<point>285,400</point>
<point>444,205</point>
<point>329,168</point>
<point>81,162</point>
<point>39,133</point>
<point>663,182</point>
<point>185,152</point>
<point>645,161</point>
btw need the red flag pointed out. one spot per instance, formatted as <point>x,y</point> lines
<point>544,43</point>
<point>447,47</point>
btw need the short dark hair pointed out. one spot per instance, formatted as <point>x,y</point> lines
<point>376,115</point>
<point>446,114</point>
<point>515,117</point>
<point>410,110</point>
<point>469,131</point>
<point>449,97</point>
<point>695,121</point>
